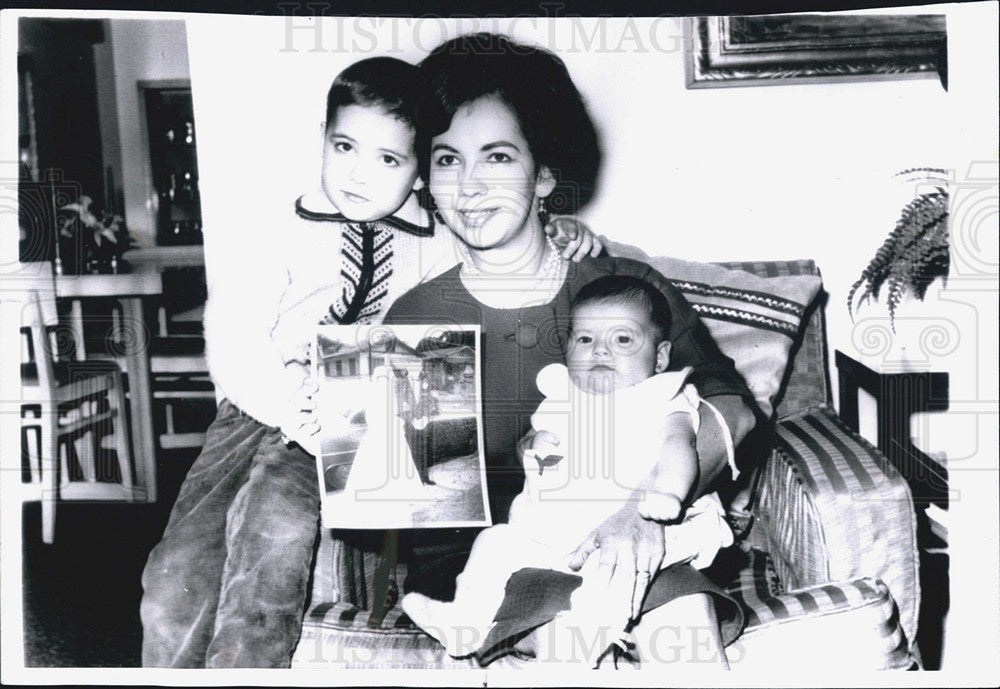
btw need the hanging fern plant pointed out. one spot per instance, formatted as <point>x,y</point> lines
<point>914,254</point>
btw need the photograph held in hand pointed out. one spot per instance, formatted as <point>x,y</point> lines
<point>400,427</point>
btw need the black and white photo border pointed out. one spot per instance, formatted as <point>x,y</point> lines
<point>728,146</point>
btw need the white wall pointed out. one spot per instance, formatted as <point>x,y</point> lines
<point>711,174</point>
<point>715,174</point>
<point>140,50</point>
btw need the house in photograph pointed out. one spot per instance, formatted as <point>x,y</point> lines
<point>449,363</point>
<point>340,359</point>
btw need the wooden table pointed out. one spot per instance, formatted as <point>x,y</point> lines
<point>898,396</point>
<point>129,289</point>
<point>161,257</point>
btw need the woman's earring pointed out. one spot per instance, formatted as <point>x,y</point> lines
<point>543,212</point>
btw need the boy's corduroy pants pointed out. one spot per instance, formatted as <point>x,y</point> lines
<point>226,586</point>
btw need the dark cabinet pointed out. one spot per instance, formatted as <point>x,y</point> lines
<point>174,163</point>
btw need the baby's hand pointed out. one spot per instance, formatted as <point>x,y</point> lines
<point>573,237</point>
<point>545,448</point>
<point>545,443</point>
<point>660,507</point>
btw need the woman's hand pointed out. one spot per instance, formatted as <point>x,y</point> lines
<point>631,552</point>
<point>573,237</point>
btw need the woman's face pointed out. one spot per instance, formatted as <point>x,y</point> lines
<point>483,177</point>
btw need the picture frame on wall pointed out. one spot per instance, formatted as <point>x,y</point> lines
<point>766,50</point>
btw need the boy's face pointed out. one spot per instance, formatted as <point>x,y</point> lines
<point>369,166</point>
<point>613,345</point>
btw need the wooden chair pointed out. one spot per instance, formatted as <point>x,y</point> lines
<point>68,410</point>
<point>180,379</point>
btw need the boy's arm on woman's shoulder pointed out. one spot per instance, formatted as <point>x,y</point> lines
<point>573,237</point>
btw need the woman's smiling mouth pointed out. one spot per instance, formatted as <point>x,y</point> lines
<point>476,217</point>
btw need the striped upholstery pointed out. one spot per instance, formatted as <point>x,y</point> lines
<point>832,509</point>
<point>339,635</point>
<point>859,604</point>
<point>818,595</point>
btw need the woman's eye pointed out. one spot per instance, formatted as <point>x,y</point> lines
<point>342,147</point>
<point>498,157</point>
<point>389,161</point>
<point>445,160</point>
<point>584,339</point>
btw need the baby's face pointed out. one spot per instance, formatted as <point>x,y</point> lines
<point>613,346</point>
<point>369,165</point>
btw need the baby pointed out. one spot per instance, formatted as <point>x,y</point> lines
<point>607,417</point>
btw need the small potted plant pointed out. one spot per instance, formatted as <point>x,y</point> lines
<point>915,253</point>
<point>101,241</point>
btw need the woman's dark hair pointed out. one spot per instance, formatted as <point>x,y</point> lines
<point>385,82</point>
<point>625,289</point>
<point>536,85</point>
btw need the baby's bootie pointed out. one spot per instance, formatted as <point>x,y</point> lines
<point>446,623</point>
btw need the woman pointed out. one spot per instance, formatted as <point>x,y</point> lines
<point>498,147</point>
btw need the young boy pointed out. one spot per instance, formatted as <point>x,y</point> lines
<point>370,240</point>
<point>227,584</point>
<point>607,417</point>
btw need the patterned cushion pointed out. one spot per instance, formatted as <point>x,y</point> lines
<point>832,509</point>
<point>807,383</point>
<point>755,321</point>
<point>828,624</point>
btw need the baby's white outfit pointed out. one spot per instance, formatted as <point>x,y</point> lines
<point>611,444</point>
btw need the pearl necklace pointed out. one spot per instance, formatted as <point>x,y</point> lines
<point>512,291</point>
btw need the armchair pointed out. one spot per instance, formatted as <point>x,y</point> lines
<point>827,573</point>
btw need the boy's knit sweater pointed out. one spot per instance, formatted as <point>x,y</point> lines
<point>338,271</point>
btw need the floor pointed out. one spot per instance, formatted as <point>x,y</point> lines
<point>81,594</point>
